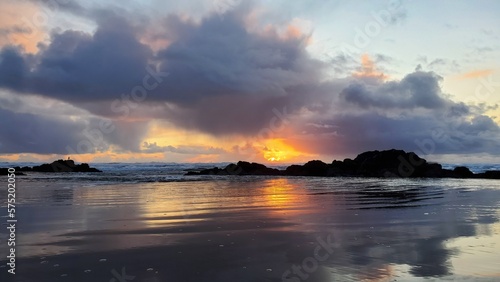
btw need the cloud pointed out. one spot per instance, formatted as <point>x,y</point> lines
<point>223,57</point>
<point>443,66</point>
<point>48,126</point>
<point>224,77</point>
<point>41,134</point>
<point>14,28</point>
<point>368,69</point>
<point>189,150</point>
<point>29,133</point>
<point>476,74</point>
<point>418,89</point>
<point>352,134</point>
<point>77,67</point>
<point>412,114</point>
<point>227,76</point>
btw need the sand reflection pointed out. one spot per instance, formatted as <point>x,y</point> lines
<point>237,229</point>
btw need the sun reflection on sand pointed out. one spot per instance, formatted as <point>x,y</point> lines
<point>280,194</point>
<point>171,204</point>
<point>276,222</point>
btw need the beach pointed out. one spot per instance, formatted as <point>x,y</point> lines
<point>249,141</point>
<point>255,228</point>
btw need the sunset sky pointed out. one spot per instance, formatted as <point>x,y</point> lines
<point>265,81</point>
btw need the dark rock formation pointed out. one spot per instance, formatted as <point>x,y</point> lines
<point>490,174</point>
<point>5,171</point>
<point>463,172</point>
<point>241,168</point>
<point>390,163</point>
<point>311,168</point>
<point>57,166</point>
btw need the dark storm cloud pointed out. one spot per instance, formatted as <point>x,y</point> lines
<point>128,135</point>
<point>223,78</point>
<point>351,134</point>
<point>220,57</point>
<point>411,114</point>
<point>76,66</point>
<point>13,69</point>
<point>37,125</point>
<point>29,133</point>
<point>418,89</point>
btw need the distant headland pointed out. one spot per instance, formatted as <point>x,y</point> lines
<point>389,163</point>
<point>57,166</point>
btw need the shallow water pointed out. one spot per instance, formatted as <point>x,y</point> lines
<point>258,229</point>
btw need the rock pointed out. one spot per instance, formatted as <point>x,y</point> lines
<point>64,166</point>
<point>389,163</point>
<point>316,168</point>
<point>57,166</point>
<point>311,168</point>
<point>433,170</point>
<point>393,163</point>
<point>463,172</point>
<point>5,171</point>
<point>241,168</point>
<point>294,170</point>
<point>247,168</point>
<point>490,174</point>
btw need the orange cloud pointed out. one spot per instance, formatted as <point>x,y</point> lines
<point>368,69</point>
<point>296,29</point>
<point>15,26</point>
<point>293,32</point>
<point>476,74</point>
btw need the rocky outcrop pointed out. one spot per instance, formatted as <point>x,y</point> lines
<point>5,171</point>
<point>491,174</point>
<point>57,166</point>
<point>241,168</point>
<point>311,168</point>
<point>389,163</point>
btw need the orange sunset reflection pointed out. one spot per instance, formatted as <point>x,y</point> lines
<point>279,193</point>
<point>176,204</point>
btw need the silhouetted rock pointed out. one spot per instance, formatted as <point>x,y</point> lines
<point>241,168</point>
<point>316,168</point>
<point>433,170</point>
<point>58,166</point>
<point>389,163</point>
<point>294,170</point>
<point>246,168</point>
<point>463,172</point>
<point>490,174</point>
<point>5,171</point>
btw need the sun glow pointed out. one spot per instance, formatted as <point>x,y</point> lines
<point>276,150</point>
<point>274,155</point>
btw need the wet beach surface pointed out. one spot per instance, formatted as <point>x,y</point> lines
<point>258,229</point>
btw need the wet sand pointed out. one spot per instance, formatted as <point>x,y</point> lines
<point>259,229</point>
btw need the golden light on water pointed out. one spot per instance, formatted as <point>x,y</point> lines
<point>279,193</point>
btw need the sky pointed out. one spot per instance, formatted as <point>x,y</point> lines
<point>262,81</point>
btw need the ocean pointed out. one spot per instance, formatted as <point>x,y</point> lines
<point>149,222</point>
